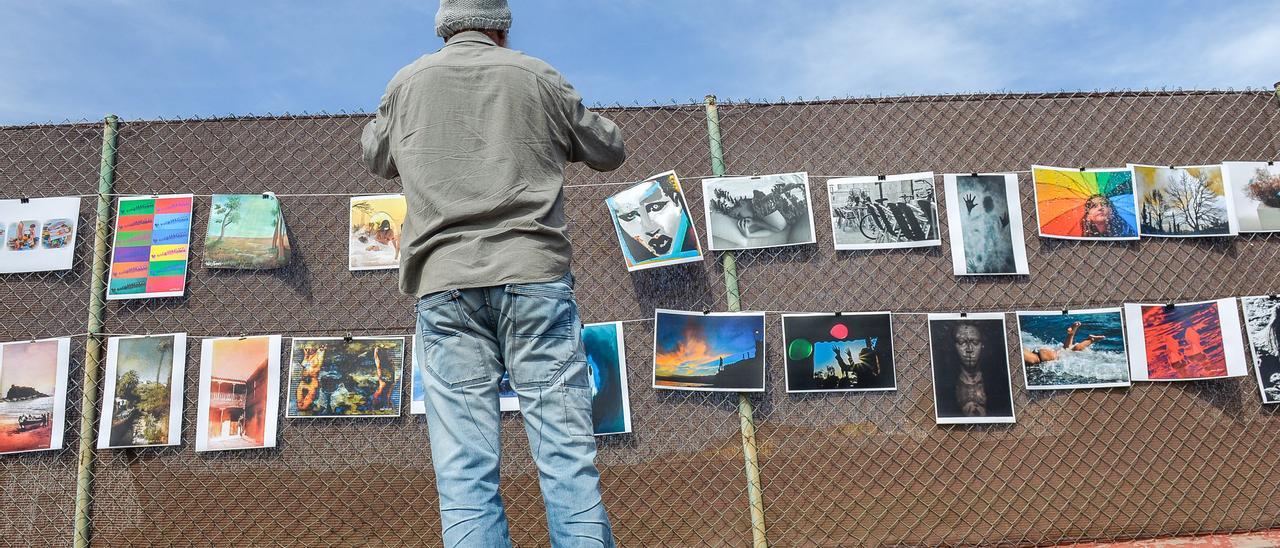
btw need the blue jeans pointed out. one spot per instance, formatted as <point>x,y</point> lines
<point>465,340</point>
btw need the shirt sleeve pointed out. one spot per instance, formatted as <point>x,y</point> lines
<point>593,139</point>
<point>376,141</point>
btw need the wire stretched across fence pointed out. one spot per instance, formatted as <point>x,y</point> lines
<point>836,469</point>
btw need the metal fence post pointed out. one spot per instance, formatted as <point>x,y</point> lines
<point>746,412</point>
<point>93,342</point>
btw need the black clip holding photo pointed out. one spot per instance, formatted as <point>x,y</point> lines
<point>974,174</point>
<point>879,177</point>
<point>24,200</point>
<point>266,195</point>
<point>706,312</point>
<point>1065,312</point>
<point>243,336</point>
<point>1082,170</point>
<point>838,314</point>
<point>1169,306</point>
<point>964,314</point>
<point>346,338</point>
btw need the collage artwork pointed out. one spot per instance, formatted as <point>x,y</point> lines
<point>152,241</point>
<point>38,235</point>
<point>240,377</point>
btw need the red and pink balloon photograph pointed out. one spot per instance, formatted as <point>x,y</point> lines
<point>839,352</point>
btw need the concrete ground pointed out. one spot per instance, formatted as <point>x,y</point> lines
<point>1261,539</point>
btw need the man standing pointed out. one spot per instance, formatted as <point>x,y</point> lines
<point>479,135</point>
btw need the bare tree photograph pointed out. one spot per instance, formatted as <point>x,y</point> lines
<point>1183,202</point>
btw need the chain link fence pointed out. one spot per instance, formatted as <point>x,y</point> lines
<point>837,469</point>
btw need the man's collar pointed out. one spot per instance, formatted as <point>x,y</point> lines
<point>470,36</point>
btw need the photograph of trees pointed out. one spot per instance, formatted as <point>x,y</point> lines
<point>1187,201</point>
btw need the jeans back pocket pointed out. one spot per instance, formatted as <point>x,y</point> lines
<point>448,348</point>
<point>543,331</point>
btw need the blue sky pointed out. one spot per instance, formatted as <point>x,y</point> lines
<point>153,58</point>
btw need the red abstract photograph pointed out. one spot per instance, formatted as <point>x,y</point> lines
<point>1184,341</point>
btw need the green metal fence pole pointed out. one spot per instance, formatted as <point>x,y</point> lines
<point>93,343</point>
<point>746,412</point>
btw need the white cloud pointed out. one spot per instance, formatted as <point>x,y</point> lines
<point>892,48</point>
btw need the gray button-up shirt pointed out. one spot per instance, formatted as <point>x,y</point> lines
<point>480,135</point>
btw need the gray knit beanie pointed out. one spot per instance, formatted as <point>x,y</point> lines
<point>456,15</point>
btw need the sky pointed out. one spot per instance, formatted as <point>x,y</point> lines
<point>147,356</point>
<point>34,365</point>
<point>147,59</point>
<point>687,344</point>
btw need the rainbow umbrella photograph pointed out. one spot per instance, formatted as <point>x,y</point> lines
<point>1091,204</point>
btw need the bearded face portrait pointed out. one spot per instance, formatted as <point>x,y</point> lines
<point>970,369</point>
<point>653,224</point>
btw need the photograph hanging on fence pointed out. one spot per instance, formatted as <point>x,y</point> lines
<point>341,377</point>
<point>714,351</point>
<point>239,393</point>
<point>1262,325</point>
<point>246,231</point>
<point>884,212</point>
<point>1186,341</point>
<point>607,365</point>
<point>1068,349</point>
<point>758,212</point>
<point>33,394</point>
<point>985,224</point>
<point>142,391</point>
<point>1183,202</point>
<point>1255,194</point>
<point>653,224</point>
<point>839,352</point>
<point>507,398</point>
<point>971,381</point>
<point>375,227</point>
<point>1085,204</point>
<point>150,253</point>
<point>39,235</point>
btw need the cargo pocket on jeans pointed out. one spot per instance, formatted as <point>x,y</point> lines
<point>577,409</point>
<point>544,332</point>
<point>450,354</point>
